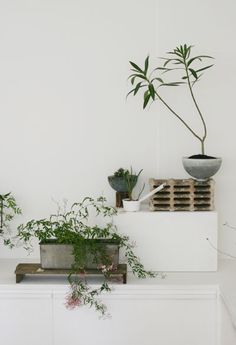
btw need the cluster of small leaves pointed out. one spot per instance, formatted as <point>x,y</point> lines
<point>181,56</point>
<point>150,81</point>
<point>8,209</point>
<point>121,172</point>
<point>71,227</point>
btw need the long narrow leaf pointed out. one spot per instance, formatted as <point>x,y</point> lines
<point>162,69</point>
<point>146,99</point>
<point>172,84</point>
<point>200,57</point>
<point>194,73</point>
<point>136,67</point>
<point>137,76</point>
<point>166,63</point>
<point>158,79</point>
<point>130,93</point>
<point>132,80</point>
<point>203,69</point>
<point>146,64</point>
<point>175,53</point>
<point>152,91</point>
<point>175,61</point>
<point>138,86</point>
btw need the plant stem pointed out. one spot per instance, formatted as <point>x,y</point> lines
<point>197,107</point>
<point>174,113</point>
<point>202,146</point>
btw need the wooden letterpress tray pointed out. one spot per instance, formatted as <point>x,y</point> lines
<point>183,195</point>
<point>36,270</point>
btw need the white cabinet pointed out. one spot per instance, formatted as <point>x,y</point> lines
<point>227,329</point>
<point>163,317</point>
<point>25,318</point>
<point>172,241</point>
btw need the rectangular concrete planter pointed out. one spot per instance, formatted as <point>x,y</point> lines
<point>60,256</point>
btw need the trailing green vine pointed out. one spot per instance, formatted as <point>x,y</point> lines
<point>8,210</point>
<point>79,228</point>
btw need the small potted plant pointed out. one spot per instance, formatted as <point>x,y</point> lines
<point>81,244</point>
<point>122,181</point>
<point>189,70</point>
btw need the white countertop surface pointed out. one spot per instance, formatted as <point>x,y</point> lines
<point>224,279</point>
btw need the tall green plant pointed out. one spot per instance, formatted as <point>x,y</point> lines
<point>191,70</point>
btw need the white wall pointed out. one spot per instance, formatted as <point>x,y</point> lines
<point>210,26</point>
<point>65,122</point>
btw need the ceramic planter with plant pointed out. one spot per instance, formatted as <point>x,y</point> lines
<point>78,243</point>
<point>188,70</point>
<point>129,181</point>
<point>122,181</point>
<point>8,210</point>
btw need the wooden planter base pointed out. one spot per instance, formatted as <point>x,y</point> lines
<point>35,269</point>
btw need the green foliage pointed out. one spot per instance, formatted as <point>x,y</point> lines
<point>121,172</point>
<point>131,179</point>
<point>179,60</point>
<point>72,227</point>
<point>8,209</point>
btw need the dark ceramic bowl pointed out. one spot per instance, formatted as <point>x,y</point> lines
<point>119,183</point>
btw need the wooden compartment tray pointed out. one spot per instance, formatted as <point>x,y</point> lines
<point>182,195</point>
<point>35,269</point>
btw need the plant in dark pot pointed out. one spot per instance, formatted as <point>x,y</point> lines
<point>188,70</point>
<point>82,239</point>
<point>122,181</point>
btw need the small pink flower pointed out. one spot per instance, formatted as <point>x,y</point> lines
<point>105,268</point>
<point>102,267</point>
<point>112,267</point>
<point>72,302</point>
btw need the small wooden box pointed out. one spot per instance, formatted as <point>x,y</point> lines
<point>182,195</point>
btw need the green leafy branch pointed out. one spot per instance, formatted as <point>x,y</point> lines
<point>150,82</point>
<point>8,210</point>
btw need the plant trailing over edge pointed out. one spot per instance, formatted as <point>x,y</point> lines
<point>8,209</point>
<point>72,227</point>
<point>180,60</point>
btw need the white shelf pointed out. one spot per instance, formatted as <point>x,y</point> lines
<point>172,241</point>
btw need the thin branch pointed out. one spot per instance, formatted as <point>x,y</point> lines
<point>220,251</point>
<point>174,113</point>
<point>197,107</point>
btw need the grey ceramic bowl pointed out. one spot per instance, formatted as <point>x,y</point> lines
<point>119,184</point>
<point>201,169</point>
